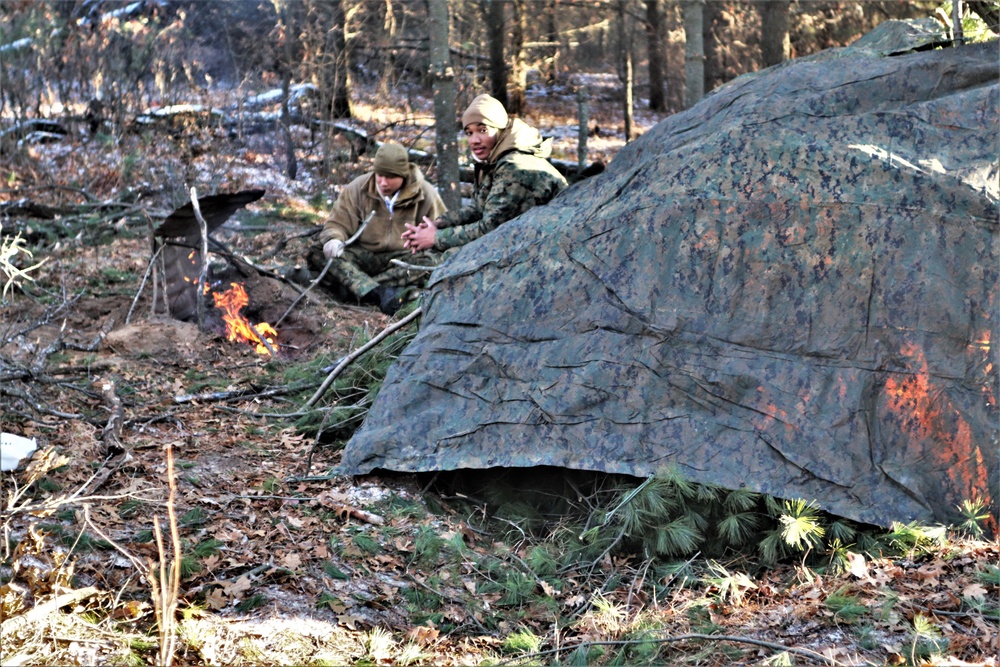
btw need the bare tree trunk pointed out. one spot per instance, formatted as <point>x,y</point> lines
<point>337,76</point>
<point>655,38</point>
<point>775,46</point>
<point>517,103</point>
<point>288,28</point>
<point>694,52</point>
<point>956,21</point>
<point>443,77</point>
<point>629,98</point>
<point>495,36</point>
<point>625,67</point>
<point>711,56</point>
<point>583,126</point>
<point>552,37</point>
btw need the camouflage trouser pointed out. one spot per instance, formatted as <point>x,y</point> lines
<point>359,271</point>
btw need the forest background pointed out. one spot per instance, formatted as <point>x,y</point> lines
<point>172,515</point>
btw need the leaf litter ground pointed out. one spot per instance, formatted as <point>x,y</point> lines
<point>280,568</point>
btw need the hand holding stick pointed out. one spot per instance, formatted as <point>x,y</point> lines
<point>354,237</point>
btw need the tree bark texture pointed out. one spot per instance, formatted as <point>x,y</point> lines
<point>551,66</point>
<point>775,45</point>
<point>694,52</point>
<point>443,82</point>
<point>711,25</point>
<point>625,67</point>
<point>335,63</point>
<point>655,38</point>
<point>495,36</point>
<point>518,73</point>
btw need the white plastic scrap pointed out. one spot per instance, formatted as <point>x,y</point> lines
<point>14,449</point>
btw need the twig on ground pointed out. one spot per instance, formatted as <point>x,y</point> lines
<point>303,293</point>
<point>142,284</point>
<point>36,406</point>
<point>10,627</point>
<point>112,434</point>
<point>136,563</point>
<point>263,341</point>
<point>346,361</point>
<point>165,590</point>
<point>411,267</point>
<point>235,393</point>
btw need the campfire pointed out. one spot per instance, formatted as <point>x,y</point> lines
<point>181,262</point>
<point>238,328</point>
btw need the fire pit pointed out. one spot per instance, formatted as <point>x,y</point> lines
<point>178,260</point>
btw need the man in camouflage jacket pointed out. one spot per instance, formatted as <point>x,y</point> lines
<point>395,194</point>
<point>512,171</point>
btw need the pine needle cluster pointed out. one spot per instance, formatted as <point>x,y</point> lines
<point>345,404</point>
<point>669,516</point>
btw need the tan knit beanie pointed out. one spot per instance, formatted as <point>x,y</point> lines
<point>486,110</point>
<point>392,160</point>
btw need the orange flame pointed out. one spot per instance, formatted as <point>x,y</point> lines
<point>238,328</point>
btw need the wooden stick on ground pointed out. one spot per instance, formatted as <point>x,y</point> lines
<point>346,361</point>
<point>142,284</point>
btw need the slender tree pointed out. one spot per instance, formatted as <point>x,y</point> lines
<point>495,37</point>
<point>711,26</point>
<point>443,78</point>
<point>334,65</point>
<point>655,39</point>
<point>694,52</point>
<point>518,72</point>
<point>775,45</point>
<point>287,35</point>
<point>551,66</point>
<point>625,67</point>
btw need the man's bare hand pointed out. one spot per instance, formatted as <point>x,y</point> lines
<point>420,237</point>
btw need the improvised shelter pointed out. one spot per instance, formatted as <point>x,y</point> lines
<point>790,287</point>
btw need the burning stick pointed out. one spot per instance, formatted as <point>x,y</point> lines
<point>329,262</point>
<point>238,327</point>
<point>263,340</point>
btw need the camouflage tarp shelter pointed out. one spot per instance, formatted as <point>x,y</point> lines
<point>789,287</point>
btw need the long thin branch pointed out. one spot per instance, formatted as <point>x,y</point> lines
<point>329,263</point>
<point>302,294</point>
<point>203,275</point>
<point>346,361</point>
<point>142,283</point>
<point>37,406</point>
<point>804,652</point>
<point>236,393</point>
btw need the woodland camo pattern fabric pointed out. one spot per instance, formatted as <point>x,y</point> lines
<point>791,287</point>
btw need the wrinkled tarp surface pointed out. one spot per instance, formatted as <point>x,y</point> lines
<point>790,287</point>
